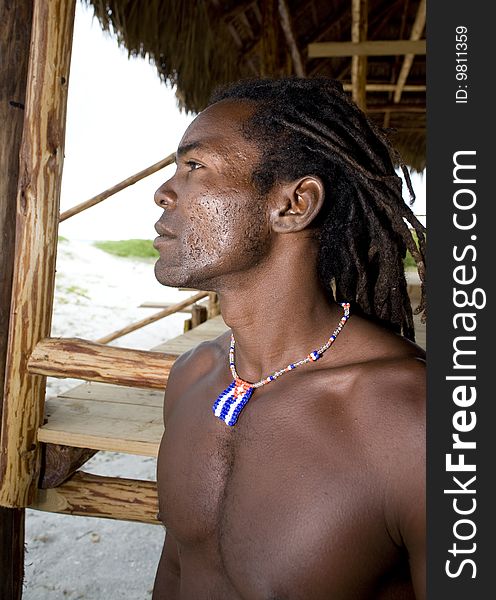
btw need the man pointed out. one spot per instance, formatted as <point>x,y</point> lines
<point>310,484</point>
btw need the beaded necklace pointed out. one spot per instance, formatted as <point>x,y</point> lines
<point>233,399</point>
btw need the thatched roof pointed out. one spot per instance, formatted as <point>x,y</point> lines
<point>199,44</point>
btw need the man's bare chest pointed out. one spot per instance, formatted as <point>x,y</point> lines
<point>275,507</point>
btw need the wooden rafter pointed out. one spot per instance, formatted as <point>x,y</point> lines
<point>397,108</point>
<point>417,30</point>
<point>359,19</point>
<point>367,48</point>
<point>386,87</point>
<point>289,35</point>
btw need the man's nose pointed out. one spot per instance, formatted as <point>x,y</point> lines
<point>165,197</point>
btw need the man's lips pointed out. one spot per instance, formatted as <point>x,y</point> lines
<point>161,240</point>
<point>164,235</point>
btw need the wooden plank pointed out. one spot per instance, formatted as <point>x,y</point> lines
<point>105,497</point>
<point>186,341</point>
<point>111,426</point>
<point>417,30</point>
<point>75,210</point>
<point>80,359</point>
<point>64,426</point>
<point>368,48</point>
<point>104,392</point>
<point>15,35</point>
<point>41,160</point>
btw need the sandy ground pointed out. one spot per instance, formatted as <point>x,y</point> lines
<point>80,557</point>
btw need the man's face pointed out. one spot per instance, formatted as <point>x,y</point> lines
<point>214,223</point>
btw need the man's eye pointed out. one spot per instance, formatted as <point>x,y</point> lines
<point>193,165</point>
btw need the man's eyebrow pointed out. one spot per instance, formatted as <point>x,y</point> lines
<point>185,148</point>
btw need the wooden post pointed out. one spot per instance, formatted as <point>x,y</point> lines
<point>41,159</point>
<point>359,20</point>
<point>15,34</point>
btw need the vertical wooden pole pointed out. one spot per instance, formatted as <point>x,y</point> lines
<point>359,26</point>
<point>15,34</point>
<point>41,159</point>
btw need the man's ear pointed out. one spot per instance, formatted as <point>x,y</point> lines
<point>297,204</point>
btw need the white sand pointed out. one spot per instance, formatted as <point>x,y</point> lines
<point>81,557</point>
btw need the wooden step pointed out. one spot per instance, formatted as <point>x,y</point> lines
<point>116,418</point>
<point>105,417</point>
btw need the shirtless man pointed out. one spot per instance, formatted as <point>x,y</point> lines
<point>317,491</point>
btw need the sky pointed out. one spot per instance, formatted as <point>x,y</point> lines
<point>120,119</point>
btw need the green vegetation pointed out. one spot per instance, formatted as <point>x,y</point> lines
<point>409,261</point>
<point>78,291</point>
<point>128,248</point>
<point>62,239</point>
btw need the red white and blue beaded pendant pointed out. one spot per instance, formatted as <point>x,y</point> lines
<point>234,398</point>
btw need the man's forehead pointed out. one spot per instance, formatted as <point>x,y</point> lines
<point>216,126</point>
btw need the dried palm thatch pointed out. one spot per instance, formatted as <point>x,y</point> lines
<point>197,45</point>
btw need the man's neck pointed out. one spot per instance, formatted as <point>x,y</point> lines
<point>278,314</point>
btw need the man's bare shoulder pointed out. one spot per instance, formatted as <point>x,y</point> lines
<point>191,366</point>
<point>388,383</point>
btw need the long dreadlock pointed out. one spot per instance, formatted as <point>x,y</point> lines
<point>311,127</point>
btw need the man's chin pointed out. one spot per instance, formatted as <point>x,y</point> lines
<point>170,277</point>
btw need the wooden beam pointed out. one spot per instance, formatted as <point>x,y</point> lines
<point>90,495</point>
<point>386,87</point>
<point>80,359</point>
<point>41,160</point>
<point>397,108</point>
<point>368,48</point>
<point>289,35</point>
<point>417,30</point>
<point>168,160</point>
<point>15,35</point>
<point>152,318</point>
<point>359,20</point>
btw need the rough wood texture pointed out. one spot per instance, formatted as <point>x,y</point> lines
<point>199,315</point>
<point>15,34</point>
<point>80,359</point>
<point>60,462</point>
<point>117,188</point>
<point>108,497</point>
<point>152,318</point>
<point>368,48</point>
<point>41,159</point>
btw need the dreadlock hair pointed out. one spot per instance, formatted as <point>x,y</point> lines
<point>311,127</point>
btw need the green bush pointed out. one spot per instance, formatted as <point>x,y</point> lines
<point>128,248</point>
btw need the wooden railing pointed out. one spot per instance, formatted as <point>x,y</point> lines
<point>118,187</point>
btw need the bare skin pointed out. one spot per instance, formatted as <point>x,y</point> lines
<point>318,491</point>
